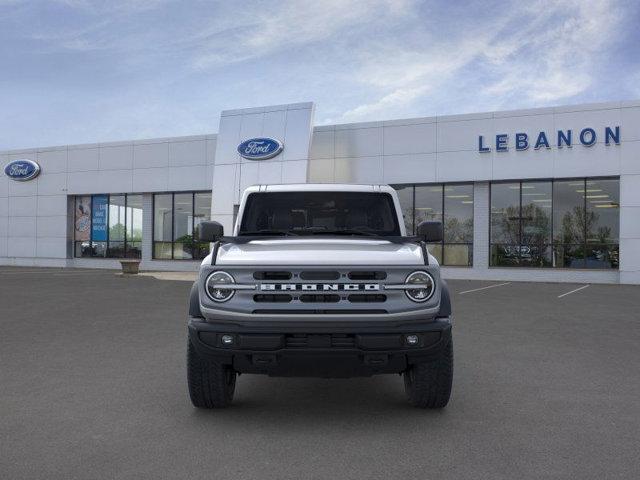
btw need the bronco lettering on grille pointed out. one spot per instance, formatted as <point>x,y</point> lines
<point>323,287</point>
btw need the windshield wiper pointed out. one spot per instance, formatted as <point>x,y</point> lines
<point>266,231</point>
<point>348,231</point>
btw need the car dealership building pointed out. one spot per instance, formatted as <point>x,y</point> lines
<point>548,194</point>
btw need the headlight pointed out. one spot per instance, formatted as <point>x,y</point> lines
<point>215,289</point>
<point>427,286</point>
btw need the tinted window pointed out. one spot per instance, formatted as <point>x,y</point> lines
<point>451,204</point>
<point>108,226</point>
<point>177,218</point>
<point>162,225</point>
<point>505,213</point>
<point>568,212</point>
<point>405,196</point>
<point>458,214</point>
<point>308,213</point>
<point>182,225</point>
<point>603,211</point>
<point>134,226</point>
<point>535,229</point>
<point>458,224</point>
<point>565,223</point>
<point>428,203</point>
<point>603,223</point>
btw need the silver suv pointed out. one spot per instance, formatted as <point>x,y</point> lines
<point>320,280</point>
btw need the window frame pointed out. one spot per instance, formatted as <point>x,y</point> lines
<point>442,244</point>
<point>553,245</point>
<point>107,241</point>
<point>172,242</point>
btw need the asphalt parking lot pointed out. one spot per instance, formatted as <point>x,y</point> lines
<point>93,385</point>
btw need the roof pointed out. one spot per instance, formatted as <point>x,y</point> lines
<point>319,187</point>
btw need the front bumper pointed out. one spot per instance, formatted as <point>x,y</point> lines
<point>326,350</point>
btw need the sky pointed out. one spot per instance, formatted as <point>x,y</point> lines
<point>80,71</point>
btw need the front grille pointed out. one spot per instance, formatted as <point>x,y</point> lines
<point>272,275</point>
<point>319,298</point>
<point>367,275</point>
<point>320,341</point>
<point>319,275</point>
<point>273,298</point>
<point>364,298</point>
<point>321,291</point>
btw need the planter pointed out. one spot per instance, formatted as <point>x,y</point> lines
<point>130,266</point>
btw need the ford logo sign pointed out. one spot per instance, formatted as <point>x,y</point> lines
<point>22,170</point>
<point>259,148</point>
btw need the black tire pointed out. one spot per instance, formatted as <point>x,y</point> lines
<point>211,384</point>
<point>428,385</point>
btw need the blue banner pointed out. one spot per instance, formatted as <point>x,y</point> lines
<point>99,218</point>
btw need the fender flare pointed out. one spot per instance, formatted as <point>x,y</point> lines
<point>194,302</point>
<point>445,301</point>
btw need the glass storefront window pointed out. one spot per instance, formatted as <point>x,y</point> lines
<point>176,220</point>
<point>458,225</point>
<point>108,226</point>
<point>134,226</point>
<point>162,225</point>
<point>117,219</point>
<point>569,223</point>
<point>82,226</point>
<point>505,224</point>
<point>603,223</point>
<point>451,204</point>
<point>201,213</point>
<point>182,225</point>
<point>405,196</point>
<point>564,223</point>
<point>536,201</point>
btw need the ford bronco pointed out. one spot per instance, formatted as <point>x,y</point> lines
<point>319,280</point>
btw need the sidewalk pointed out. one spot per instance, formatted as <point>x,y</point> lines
<point>173,276</point>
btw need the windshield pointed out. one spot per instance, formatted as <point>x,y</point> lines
<point>318,213</point>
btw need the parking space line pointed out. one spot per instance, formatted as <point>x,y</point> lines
<point>484,288</point>
<point>573,291</point>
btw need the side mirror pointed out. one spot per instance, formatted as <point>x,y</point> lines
<point>430,232</point>
<point>210,231</point>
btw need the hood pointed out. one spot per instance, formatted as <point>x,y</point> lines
<point>319,251</point>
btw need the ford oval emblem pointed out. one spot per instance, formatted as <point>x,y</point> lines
<point>260,148</point>
<point>22,170</point>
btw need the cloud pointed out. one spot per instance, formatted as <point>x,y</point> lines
<point>288,24</point>
<point>542,53</point>
<point>407,76</point>
<point>397,98</point>
<point>125,69</point>
<point>555,63</point>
